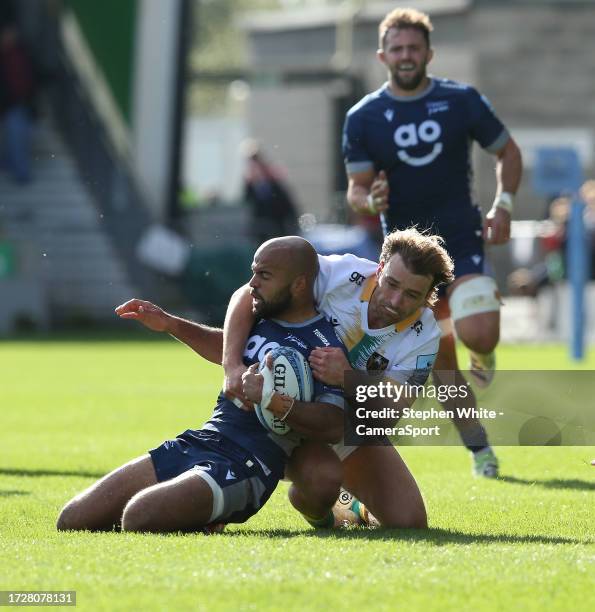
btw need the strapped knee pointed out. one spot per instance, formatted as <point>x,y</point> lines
<point>475,296</point>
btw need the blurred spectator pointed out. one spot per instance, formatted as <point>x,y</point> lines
<point>18,88</point>
<point>550,268</point>
<point>552,242</point>
<point>273,210</point>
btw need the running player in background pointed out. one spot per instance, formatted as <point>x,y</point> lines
<point>408,156</point>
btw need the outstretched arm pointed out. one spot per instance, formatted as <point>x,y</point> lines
<point>509,169</point>
<point>204,340</point>
<point>238,322</point>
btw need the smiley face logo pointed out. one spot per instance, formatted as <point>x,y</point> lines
<point>411,135</point>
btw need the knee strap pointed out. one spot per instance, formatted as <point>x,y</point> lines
<point>477,295</point>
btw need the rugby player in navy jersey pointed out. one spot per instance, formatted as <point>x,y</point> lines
<point>225,471</point>
<point>407,149</point>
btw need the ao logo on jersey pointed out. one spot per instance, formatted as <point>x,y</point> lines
<point>410,135</point>
<point>259,347</point>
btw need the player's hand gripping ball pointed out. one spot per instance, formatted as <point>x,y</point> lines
<point>290,375</point>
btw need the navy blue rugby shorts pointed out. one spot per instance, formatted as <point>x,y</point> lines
<point>467,252</point>
<point>240,483</point>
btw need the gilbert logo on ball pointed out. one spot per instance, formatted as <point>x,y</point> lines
<point>290,375</point>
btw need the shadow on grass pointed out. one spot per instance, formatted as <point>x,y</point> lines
<point>38,473</point>
<point>13,493</point>
<point>554,483</point>
<point>432,535</point>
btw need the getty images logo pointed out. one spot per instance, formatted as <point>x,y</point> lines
<point>411,135</point>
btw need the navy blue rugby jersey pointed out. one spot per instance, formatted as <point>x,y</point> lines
<point>423,143</point>
<point>243,427</point>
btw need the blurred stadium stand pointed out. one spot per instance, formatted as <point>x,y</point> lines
<point>74,229</point>
<point>65,263</point>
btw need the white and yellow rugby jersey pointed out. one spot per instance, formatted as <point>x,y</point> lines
<point>406,350</point>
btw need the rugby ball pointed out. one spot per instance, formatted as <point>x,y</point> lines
<point>291,375</point>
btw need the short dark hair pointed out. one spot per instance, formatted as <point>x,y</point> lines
<point>402,19</point>
<point>424,254</point>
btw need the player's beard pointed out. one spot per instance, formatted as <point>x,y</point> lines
<point>413,79</point>
<point>275,306</point>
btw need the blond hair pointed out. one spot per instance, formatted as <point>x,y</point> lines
<point>423,254</point>
<point>403,19</point>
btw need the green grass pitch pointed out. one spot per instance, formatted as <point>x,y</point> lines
<point>71,411</point>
